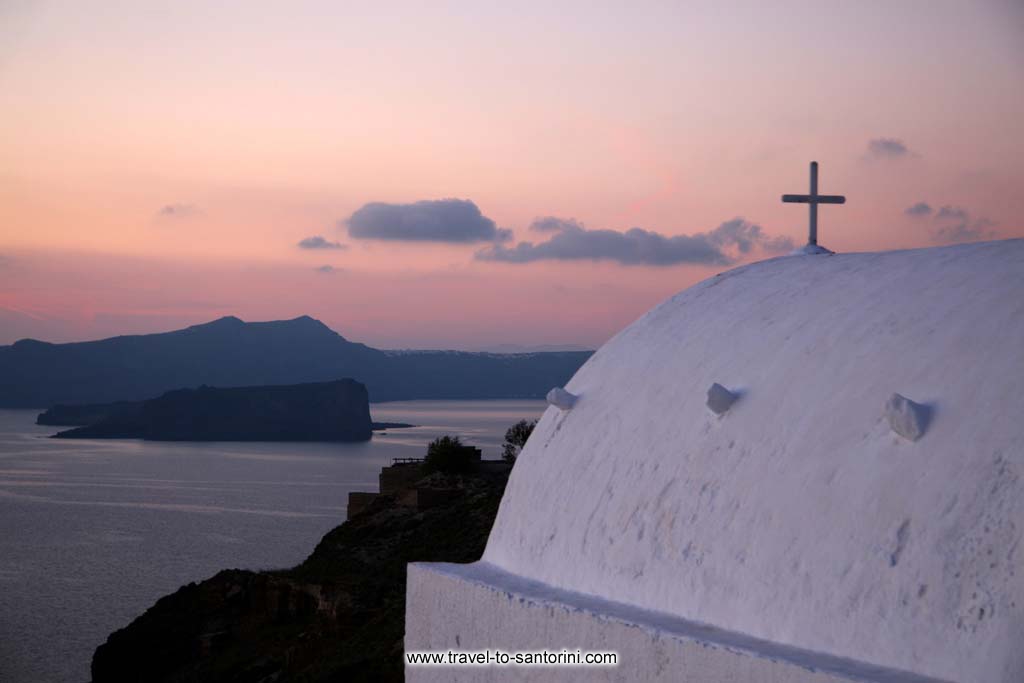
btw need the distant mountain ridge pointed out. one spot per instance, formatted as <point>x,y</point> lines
<point>228,352</point>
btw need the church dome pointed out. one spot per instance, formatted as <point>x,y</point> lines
<point>805,513</point>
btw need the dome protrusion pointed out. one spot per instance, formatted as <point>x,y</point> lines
<point>561,399</point>
<point>811,250</point>
<point>907,418</point>
<point>720,399</point>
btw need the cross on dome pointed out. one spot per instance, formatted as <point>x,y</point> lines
<point>813,199</point>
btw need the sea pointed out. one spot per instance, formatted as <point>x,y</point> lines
<point>93,532</point>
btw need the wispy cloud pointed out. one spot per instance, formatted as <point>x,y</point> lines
<point>320,242</point>
<point>572,241</point>
<point>954,224</point>
<point>887,148</point>
<point>553,224</point>
<point>919,210</point>
<point>327,269</point>
<point>441,220</point>
<point>965,232</point>
<point>952,213</point>
<point>177,211</point>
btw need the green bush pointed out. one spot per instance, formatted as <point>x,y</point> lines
<point>448,455</point>
<point>515,439</point>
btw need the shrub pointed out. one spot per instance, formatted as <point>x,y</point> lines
<point>448,455</point>
<point>515,439</point>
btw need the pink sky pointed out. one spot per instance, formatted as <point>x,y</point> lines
<point>263,124</point>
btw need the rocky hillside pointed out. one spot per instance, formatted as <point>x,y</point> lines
<point>339,616</point>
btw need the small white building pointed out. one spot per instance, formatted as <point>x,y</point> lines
<point>817,530</point>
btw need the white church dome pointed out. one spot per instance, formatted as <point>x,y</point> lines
<point>799,515</point>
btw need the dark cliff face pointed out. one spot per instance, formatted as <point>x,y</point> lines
<point>75,415</point>
<point>339,616</point>
<point>325,411</point>
<point>231,353</point>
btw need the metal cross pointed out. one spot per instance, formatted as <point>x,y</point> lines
<point>814,199</point>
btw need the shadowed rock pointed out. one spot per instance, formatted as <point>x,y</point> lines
<point>720,399</point>
<point>907,418</point>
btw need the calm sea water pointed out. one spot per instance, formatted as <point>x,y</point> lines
<point>93,532</point>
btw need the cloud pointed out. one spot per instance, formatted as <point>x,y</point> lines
<point>965,232</point>
<point>919,210</point>
<point>319,242</point>
<point>553,224</point>
<point>887,148</point>
<point>953,213</point>
<point>636,246</point>
<point>955,225</point>
<point>441,220</point>
<point>177,211</point>
<point>326,269</point>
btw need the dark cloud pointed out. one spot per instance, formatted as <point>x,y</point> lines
<point>887,148</point>
<point>442,220</point>
<point>919,210</point>
<point>571,241</point>
<point>319,242</point>
<point>553,224</point>
<point>176,211</point>
<point>954,225</point>
<point>327,269</point>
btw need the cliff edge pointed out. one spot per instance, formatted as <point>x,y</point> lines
<point>337,616</point>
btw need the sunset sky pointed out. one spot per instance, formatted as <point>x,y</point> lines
<point>380,166</point>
